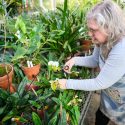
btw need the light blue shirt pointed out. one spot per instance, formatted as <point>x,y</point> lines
<point>111,80</point>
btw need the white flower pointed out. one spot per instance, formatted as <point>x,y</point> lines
<point>53,63</point>
<point>12,119</point>
<point>56,64</point>
<point>50,63</point>
<point>81,29</point>
<point>18,34</point>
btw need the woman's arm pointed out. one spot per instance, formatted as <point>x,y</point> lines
<point>88,61</point>
<point>112,71</point>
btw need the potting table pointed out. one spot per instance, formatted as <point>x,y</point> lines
<point>84,106</point>
<point>86,99</point>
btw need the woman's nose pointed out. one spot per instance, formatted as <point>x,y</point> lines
<point>90,33</point>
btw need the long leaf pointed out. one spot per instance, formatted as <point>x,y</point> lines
<point>36,119</point>
<point>22,85</point>
<point>56,100</point>
<point>64,13</point>
<point>62,120</point>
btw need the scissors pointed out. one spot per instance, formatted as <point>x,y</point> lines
<point>65,68</point>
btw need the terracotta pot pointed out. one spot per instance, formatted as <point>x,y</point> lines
<point>19,123</point>
<point>39,112</point>
<point>12,89</point>
<point>31,72</point>
<point>6,79</point>
<point>86,44</point>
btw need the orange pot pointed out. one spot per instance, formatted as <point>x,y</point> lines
<point>31,72</point>
<point>6,79</point>
<point>86,44</point>
<point>40,112</point>
<point>18,123</point>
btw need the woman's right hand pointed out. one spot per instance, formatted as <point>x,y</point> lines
<point>68,65</point>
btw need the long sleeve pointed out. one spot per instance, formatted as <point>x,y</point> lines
<point>111,72</point>
<point>88,61</point>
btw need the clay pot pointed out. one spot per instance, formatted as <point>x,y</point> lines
<point>6,78</point>
<point>19,123</point>
<point>85,44</point>
<point>31,72</point>
<point>40,112</point>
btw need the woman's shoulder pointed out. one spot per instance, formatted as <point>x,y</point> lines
<point>120,46</point>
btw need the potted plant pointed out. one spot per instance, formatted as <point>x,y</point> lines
<point>27,48</point>
<point>6,69</point>
<point>16,107</point>
<point>62,31</point>
<point>6,74</point>
<point>62,102</point>
<point>86,44</point>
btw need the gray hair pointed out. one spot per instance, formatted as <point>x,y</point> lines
<point>109,17</point>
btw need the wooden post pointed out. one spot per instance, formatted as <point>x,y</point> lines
<point>42,6</point>
<point>53,3</point>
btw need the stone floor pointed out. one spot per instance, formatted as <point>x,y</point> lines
<point>94,104</point>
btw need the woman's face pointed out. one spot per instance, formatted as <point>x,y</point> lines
<point>98,36</point>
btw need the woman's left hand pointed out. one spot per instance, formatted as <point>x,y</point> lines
<point>62,83</point>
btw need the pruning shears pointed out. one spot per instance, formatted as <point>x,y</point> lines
<point>65,68</point>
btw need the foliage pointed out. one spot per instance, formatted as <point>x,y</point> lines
<point>13,105</point>
<point>50,36</point>
<point>61,32</point>
<point>29,41</point>
<point>64,102</point>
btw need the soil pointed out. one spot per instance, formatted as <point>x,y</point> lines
<point>94,104</point>
<point>4,71</point>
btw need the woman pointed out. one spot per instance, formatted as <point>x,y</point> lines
<point>106,24</point>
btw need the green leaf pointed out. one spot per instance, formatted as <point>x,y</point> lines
<point>75,115</point>
<point>2,109</point>
<point>3,93</point>
<point>8,116</point>
<point>36,119</point>
<point>62,120</point>
<point>65,44</point>
<point>64,13</point>
<point>35,104</point>
<point>70,50</point>
<point>42,98</point>
<point>77,112</point>
<point>22,85</point>
<point>56,100</point>
<point>20,24</point>
<point>21,119</point>
<point>21,51</point>
<point>53,120</point>
<point>50,40</point>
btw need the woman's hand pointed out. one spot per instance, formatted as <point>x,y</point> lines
<point>68,65</point>
<point>62,83</point>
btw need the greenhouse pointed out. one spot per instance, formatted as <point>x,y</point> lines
<point>60,63</point>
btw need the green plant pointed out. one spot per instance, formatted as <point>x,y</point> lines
<point>121,3</point>
<point>16,106</point>
<point>52,34</point>
<point>29,41</point>
<point>62,32</point>
<point>65,103</point>
<point>5,37</point>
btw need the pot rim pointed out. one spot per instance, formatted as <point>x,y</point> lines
<point>10,72</point>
